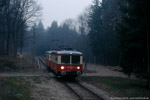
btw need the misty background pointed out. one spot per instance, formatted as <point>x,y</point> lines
<point>60,10</point>
<point>107,32</point>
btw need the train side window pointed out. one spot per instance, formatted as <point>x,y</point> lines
<point>56,59</point>
<point>52,58</point>
<point>49,57</point>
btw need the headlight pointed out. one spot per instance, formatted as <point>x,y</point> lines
<point>78,67</point>
<point>62,67</point>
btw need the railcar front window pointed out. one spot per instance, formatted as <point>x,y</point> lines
<point>75,59</point>
<point>65,59</point>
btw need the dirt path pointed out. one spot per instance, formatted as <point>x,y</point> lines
<point>22,74</point>
<point>99,70</point>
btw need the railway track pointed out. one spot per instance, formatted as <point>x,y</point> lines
<point>82,92</point>
<point>42,60</point>
<point>77,88</point>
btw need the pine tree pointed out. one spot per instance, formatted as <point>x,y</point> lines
<point>133,38</point>
<point>102,35</point>
<point>94,24</point>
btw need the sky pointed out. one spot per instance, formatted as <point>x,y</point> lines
<point>60,10</point>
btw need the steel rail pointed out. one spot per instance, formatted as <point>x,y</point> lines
<point>80,97</point>
<point>100,98</point>
<point>85,89</point>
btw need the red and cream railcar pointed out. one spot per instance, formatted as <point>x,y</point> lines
<point>65,63</point>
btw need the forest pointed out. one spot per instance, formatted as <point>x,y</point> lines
<point>111,33</point>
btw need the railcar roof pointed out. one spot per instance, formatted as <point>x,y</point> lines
<point>51,51</point>
<point>65,52</point>
<point>69,52</point>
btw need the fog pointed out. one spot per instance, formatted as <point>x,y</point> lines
<point>59,10</point>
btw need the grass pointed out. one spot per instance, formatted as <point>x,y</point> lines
<point>36,80</point>
<point>120,87</point>
<point>15,88</point>
<point>11,64</point>
<point>7,64</point>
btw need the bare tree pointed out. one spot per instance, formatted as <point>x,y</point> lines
<point>18,14</point>
<point>83,30</point>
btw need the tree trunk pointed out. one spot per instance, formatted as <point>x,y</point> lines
<point>8,43</point>
<point>15,43</point>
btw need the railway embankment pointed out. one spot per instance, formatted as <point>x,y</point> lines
<point>39,84</point>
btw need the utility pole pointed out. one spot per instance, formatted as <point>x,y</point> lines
<point>33,47</point>
<point>53,44</point>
